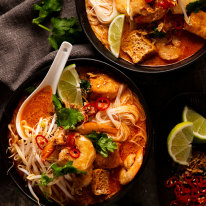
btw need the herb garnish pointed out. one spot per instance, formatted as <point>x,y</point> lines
<point>102,143</point>
<point>196,6</point>
<point>66,117</point>
<point>68,168</point>
<point>46,9</point>
<point>45,180</point>
<point>158,34</point>
<point>63,29</point>
<point>85,85</point>
<point>59,171</point>
<point>30,89</point>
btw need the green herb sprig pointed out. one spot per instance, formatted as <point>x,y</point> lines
<point>68,168</point>
<point>63,29</point>
<point>66,117</point>
<point>196,6</point>
<point>158,34</point>
<point>85,85</point>
<point>102,143</point>
<point>59,171</point>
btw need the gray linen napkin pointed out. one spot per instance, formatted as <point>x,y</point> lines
<point>24,46</point>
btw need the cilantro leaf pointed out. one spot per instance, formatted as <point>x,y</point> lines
<point>45,180</point>
<point>30,89</point>
<point>56,102</point>
<point>68,168</point>
<point>85,85</point>
<point>196,6</point>
<point>65,30</point>
<point>46,8</point>
<point>102,143</point>
<point>158,34</point>
<point>68,118</point>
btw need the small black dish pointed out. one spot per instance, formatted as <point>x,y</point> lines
<point>12,104</point>
<point>82,15</point>
<point>170,116</point>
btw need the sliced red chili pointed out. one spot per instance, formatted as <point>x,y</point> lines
<point>186,199</point>
<point>90,109</point>
<point>187,190</point>
<point>199,181</point>
<point>169,3</point>
<point>70,141</point>
<point>178,24</point>
<point>201,198</point>
<point>174,203</point>
<point>149,1</point>
<point>41,141</point>
<point>165,4</point>
<point>75,153</point>
<point>171,182</point>
<point>102,103</point>
<point>203,189</point>
<point>188,178</point>
<point>162,4</point>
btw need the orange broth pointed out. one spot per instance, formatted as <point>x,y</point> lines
<point>40,105</point>
<point>190,44</point>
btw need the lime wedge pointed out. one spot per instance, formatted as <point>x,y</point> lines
<point>68,87</point>
<point>179,142</point>
<point>199,124</point>
<point>115,34</point>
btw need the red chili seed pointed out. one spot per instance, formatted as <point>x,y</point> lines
<point>75,153</point>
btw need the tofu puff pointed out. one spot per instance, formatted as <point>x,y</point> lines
<point>154,33</point>
<point>92,161</point>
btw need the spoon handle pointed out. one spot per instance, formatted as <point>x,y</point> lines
<point>57,66</point>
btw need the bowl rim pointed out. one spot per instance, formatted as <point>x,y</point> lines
<point>12,104</point>
<point>82,15</point>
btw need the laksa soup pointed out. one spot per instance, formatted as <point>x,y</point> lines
<point>149,32</point>
<point>82,145</point>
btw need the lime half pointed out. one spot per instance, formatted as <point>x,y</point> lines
<point>68,87</point>
<point>199,124</point>
<point>179,142</point>
<point>115,34</point>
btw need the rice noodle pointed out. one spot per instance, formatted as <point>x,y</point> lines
<point>105,12</point>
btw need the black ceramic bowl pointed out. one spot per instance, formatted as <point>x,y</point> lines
<point>8,111</point>
<point>81,11</point>
<point>170,116</point>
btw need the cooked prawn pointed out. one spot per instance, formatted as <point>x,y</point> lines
<point>89,127</point>
<point>169,51</point>
<point>86,157</point>
<point>132,165</point>
<point>57,139</point>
